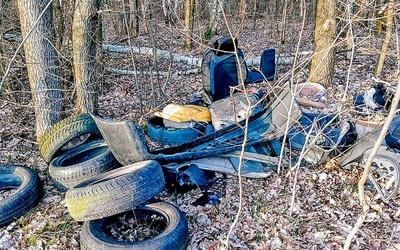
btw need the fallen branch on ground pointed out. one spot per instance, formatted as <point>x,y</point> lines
<point>281,59</point>
<point>159,73</point>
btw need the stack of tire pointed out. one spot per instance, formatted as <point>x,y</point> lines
<point>99,190</point>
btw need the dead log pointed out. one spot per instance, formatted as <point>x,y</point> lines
<point>194,61</point>
<point>282,59</point>
<point>158,73</point>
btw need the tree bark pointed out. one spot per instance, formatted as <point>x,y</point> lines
<point>145,5</point>
<point>189,9</point>
<point>255,14</point>
<point>2,64</point>
<point>283,22</point>
<point>385,43</point>
<point>381,15</point>
<point>84,48</point>
<point>324,38</point>
<point>134,17</point>
<point>42,62</point>
<point>215,18</point>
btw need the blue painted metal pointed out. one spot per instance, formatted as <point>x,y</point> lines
<point>156,130</point>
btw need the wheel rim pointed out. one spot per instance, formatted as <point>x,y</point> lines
<point>385,176</point>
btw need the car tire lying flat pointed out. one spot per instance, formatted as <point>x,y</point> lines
<point>115,191</point>
<point>27,194</point>
<point>81,163</point>
<point>64,131</point>
<point>174,236</point>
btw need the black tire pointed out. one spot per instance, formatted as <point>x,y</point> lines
<point>63,132</point>
<point>27,194</point>
<point>116,191</point>
<point>174,236</point>
<point>81,163</point>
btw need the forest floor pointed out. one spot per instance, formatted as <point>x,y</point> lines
<point>324,198</point>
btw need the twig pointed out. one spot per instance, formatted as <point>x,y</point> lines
<point>293,100</point>
<point>245,130</point>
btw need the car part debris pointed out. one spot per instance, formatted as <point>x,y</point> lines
<point>126,139</point>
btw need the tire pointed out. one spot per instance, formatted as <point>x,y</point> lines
<point>116,191</point>
<point>174,236</point>
<point>26,196</point>
<point>63,132</point>
<point>81,163</point>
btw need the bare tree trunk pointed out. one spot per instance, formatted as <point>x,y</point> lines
<point>6,93</point>
<point>42,61</point>
<point>381,15</point>
<point>131,19</point>
<point>84,48</point>
<point>126,19</point>
<point>325,33</point>
<point>146,14</point>
<point>167,11</point>
<point>63,12</point>
<point>189,9</point>
<point>385,44</point>
<point>349,33</point>
<point>198,21</point>
<point>2,67</point>
<point>134,17</point>
<point>242,6</point>
<point>215,18</point>
<point>283,23</point>
<point>63,22</point>
<point>313,7</point>
<point>254,14</point>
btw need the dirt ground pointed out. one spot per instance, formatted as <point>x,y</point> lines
<point>316,212</point>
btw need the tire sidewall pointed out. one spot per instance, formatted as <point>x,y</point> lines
<point>67,176</point>
<point>175,235</point>
<point>26,195</point>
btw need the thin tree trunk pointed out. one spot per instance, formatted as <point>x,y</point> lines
<point>215,17</point>
<point>349,33</point>
<point>385,44</point>
<point>63,11</point>
<point>254,14</point>
<point>126,20</point>
<point>167,11</point>
<point>283,23</point>
<point>381,15</point>
<point>146,14</point>
<point>2,63</point>
<point>322,63</point>
<point>84,48</point>
<point>189,23</point>
<point>198,21</point>
<point>42,62</point>
<point>99,37</point>
<point>134,17</point>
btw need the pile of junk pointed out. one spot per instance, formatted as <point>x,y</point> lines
<point>230,130</point>
<point>235,130</point>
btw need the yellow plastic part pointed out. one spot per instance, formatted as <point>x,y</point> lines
<point>185,113</point>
